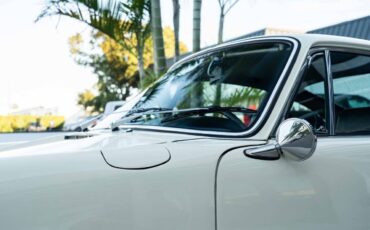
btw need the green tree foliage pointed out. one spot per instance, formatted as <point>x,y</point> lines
<point>119,41</point>
<point>87,100</point>
<point>110,63</point>
<point>127,23</point>
<point>247,96</point>
<point>115,67</point>
<point>14,123</point>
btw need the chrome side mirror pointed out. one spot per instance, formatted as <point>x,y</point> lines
<point>295,141</point>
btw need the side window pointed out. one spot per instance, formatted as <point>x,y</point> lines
<point>351,84</point>
<point>309,102</point>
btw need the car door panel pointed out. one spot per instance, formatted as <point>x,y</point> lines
<point>328,191</point>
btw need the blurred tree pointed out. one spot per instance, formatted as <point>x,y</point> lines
<point>248,96</point>
<point>197,6</point>
<point>112,64</point>
<point>86,99</point>
<point>115,67</point>
<point>23,123</point>
<point>127,23</point>
<point>176,27</point>
<point>157,35</point>
<point>225,7</point>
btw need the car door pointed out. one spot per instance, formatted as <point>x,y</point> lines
<point>330,190</point>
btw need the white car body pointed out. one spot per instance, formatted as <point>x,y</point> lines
<point>168,178</point>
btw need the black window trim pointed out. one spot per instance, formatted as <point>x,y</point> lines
<point>351,51</point>
<point>311,54</point>
<point>330,92</point>
<point>260,123</point>
<point>327,50</point>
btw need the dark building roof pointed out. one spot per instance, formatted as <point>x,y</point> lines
<point>253,34</point>
<point>357,28</point>
<point>265,31</point>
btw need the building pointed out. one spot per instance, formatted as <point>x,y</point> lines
<point>268,31</point>
<point>357,28</point>
<point>36,111</point>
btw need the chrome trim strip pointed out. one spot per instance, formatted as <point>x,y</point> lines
<point>228,45</point>
<point>262,116</point>
<point>330,92</point>
<point>345,49</point>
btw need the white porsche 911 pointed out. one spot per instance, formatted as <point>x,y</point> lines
<point>262,133</point>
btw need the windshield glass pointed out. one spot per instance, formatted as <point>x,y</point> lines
<point>118,114</point>
<point>223,91</point>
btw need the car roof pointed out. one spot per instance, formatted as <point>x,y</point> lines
<point>308,40</point>
<point>321,38</point>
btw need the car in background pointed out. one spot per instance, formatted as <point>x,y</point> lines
<point>112,106</point>
<point>182,155</point>
<point>85,123</point>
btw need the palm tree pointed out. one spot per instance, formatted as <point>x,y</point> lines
<point>197,6</point>
<point>176,25</point>
<point>123,22</point>
<point>198,90</point>
<point>138,22</point>
<point>157,34</point>
<point>225,7</point>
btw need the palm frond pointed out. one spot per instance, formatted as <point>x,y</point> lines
<point>104,16</point>
<point>127,23</point>
<point>244,96</point>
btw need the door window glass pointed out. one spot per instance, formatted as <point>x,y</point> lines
<point>351,83</point>
<point>310,101</point>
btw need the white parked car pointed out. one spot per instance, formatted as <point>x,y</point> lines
<point>261,133</point>
<point>86,123</point>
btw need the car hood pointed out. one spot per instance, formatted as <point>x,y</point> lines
<point>31,141</point>
<point>122,150</point>
<point>88,141</point>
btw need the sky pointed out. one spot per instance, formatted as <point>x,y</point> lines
<point>36,68</point>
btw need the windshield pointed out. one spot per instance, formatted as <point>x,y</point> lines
<point>118,114</point>
<point>219,91</point>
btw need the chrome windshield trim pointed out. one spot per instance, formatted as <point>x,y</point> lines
<point>231,44</point>
<point>261,118</point>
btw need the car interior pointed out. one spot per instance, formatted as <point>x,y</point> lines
<point>351,80</point>
<point>258,69</point>
<point>351,83</point>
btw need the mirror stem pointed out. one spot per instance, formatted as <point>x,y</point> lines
<point>267,152</point>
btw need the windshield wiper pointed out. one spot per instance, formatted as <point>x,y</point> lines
<point>203,110</point>
<point>176,114</point>
<point>139,112</point>
<point>142,110</point>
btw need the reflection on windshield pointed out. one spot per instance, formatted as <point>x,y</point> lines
<point>118,114</point>
<point>240,78</point>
